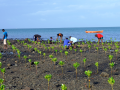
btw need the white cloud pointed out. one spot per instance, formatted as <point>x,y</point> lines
<point>46,12</point>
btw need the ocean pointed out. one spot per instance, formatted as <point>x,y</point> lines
<point>79,33</point>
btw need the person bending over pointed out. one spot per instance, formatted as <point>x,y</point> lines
<point>61,36</point>
<point>5,35</point>
<point>73,40</point>
<point>36,37</point>
<point>100,37</point>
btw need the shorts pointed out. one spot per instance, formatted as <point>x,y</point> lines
<point>100,38</point>
<point>4,41</point>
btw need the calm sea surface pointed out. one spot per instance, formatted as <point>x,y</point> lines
<point>79,33</point>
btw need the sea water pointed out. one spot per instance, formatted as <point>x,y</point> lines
<point>79,33</point>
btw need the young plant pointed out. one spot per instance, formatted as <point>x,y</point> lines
<point>48,77</point>
<point>2,87</point>
<point>44,55</point>
<point>79,46</point>
<point>56,51</point>
<point>116,53</point>
<point>88,73</point>
<point>76,65</point>
<point>0,64</point>
<point>54,60</point>
<point>36,63</point>
<point>3,71</point>
<point>61,63</point>
<point>96,64</point>
<point>83,44</point>
<point>110,57</point>
<point>1,81</point>
<point>49,49</point>
<point>19,57</point>
<point>40,54</point>
<point>109,47</point>
<point>84,60</point>
<point>105,49</point>
<point>0,56</point>
<point>75,51</point>
<point>97,49</point>
<point>53,49</point>
<point>62,47</point>
<point>111,81</point>
<point>65,46</point>
<point>30,62</point>
<point>51,56</point>
<point>89,46</point>
<point>63,87</point>
<point>111,66</point>
<point>35,49</point>
<point>102,44</point>
<point>70,50</point>
<point>81,52</point>
<point>94,45</point>
<point>66,53</point>
<point>61,52</point>
<point>25,57</point>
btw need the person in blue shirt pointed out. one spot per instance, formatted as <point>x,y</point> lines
<point>5,35</point>
<point>66,42</point>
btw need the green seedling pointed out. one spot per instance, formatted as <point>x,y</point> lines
<point>40,54</point>
<point>88,73</point>
<point>111,81</point>
<point>116,51</point>
<point>109,47</point>
<point>59,46</point>
<point>110,57</point>
<point>56,51</point>
<point>90,42</point>
<point>76,65</point>
<point>0,64</point>
<point>65,46</point>
<point>75,51</point>
<point>19,57</point>
<point>94,45</point>
<point>46,48</point>
<point>0,56</point>
<point>81,52</point>
<point>108,44</point>
<point>49,49</point>
<point>18,41</point>
<point>66,53</point>
<point>79,43</point>
<point>117,47</point>
<point>48,77</point>
<point>102,44</point>
<point>89,46</point>
<point>61,52</point>
<point>3,71</point>
<point>25,44</point>
<point>35,42</point>
<point>111,66</point>
<point>48,41</point>
<point>54,60</point>
<point>1,81</point>
<point>25,57</point>
<point>61,63</point>
<point>97,49</point>
<point>30,62</point>
<point>83,44</point>
<point>105,49</point>
<point>38,43</point>
<point>36,63</point>
<point>63,87</point>
<point>62,47</point>
<point>79,46</point>
<point>2,87</point>
<point>53,49</point>
<point>84,60</point>
<point>35,49</point>
<point>51,56</point>
<point>71,50</point>
<point>14,48</point>
<point>30,47</point>
<point>44,55</point>
<point>96,64</point>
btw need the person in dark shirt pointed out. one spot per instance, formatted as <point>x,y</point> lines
<point>36,37</point>
<point>61,36</point>
<point>5,35</point>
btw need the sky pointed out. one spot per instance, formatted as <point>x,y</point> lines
<point>59,13</point>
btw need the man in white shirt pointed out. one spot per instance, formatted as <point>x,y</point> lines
<point>73,40</point>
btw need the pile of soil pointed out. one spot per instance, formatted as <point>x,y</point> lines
<point>18,75</point>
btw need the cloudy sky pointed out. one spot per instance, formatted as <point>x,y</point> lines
<point>59,13</point>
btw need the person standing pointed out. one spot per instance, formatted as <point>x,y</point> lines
<point>100,37</point>
<point>5,35</point>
